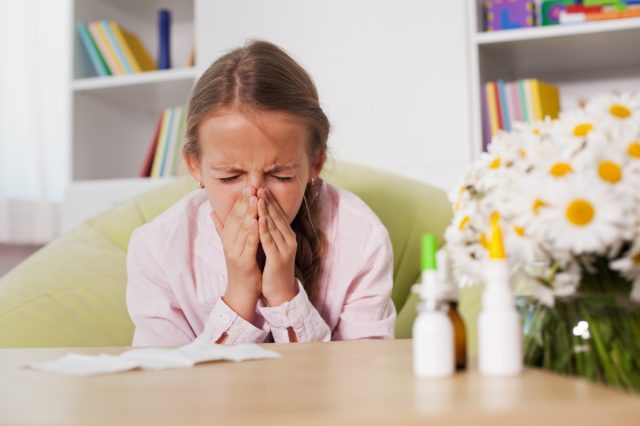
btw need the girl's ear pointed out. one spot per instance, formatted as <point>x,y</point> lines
<point>316,168</point>
<point>193,165</point>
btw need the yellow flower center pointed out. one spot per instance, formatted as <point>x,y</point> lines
<point>495,163</point>
<point>634,149</point>
<point>463,223</point>
<point>537,205</point>
<point>519,230</point>
<point>536,131</point>
<point>560,169</point>
<point>582,130</point>
<point>484,242</point>
<point>522,153</point>
<point>580,212</point>
<point>619,111</point>
<point>610,171</point>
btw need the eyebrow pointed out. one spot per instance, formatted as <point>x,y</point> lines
<point>274,168</point>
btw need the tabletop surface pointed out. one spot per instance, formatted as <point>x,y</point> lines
<point>354,383</point>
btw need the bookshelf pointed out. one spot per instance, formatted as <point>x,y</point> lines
<point>113,118</point>
<point>581,59</point>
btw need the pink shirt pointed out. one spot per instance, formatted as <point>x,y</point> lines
<point>177,276</point>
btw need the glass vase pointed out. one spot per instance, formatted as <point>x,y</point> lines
<point>594,333</point>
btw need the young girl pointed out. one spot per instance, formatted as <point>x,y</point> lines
<point>265,250</point>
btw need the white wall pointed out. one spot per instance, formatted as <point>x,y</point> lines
<point>392,74</point>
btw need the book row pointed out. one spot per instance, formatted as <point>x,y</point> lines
<point>527,100</point>
<point>510,14</point>
<point>164,156</point>
<point>113,50</point>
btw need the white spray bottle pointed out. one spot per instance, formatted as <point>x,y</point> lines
<point>433,342</point>
<point>499,329</point>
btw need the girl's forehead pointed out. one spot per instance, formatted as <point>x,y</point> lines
<point>266,137</point>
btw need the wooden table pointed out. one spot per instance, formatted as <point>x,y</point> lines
<point>354,383</point>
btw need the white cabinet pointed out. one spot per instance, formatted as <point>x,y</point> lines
<point>113,118</point>
<point>581,59</point>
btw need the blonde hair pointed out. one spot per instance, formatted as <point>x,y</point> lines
<point>262,76</point>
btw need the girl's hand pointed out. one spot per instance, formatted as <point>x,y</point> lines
<point>240,238</point>
<point>279,245</point>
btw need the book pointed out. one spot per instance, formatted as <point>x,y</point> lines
<point>496,96</point>
<point>124,47</point>
<point>145,170</point>
<point>514,102</point>
<point>504,107</point>
<point>93,52</point>
<point>162,143</point>
<point>138,51</point>
<point>506,15</point>
<point>546,100</point>
<point>115,46</point>
<point>486,124</point>
<point>177,153</point>
<point>529,101</point>
<point>164,33</point>
<point>492,107</point>
<point>101,41</point>
<point>171,141</point>
<point>523,102</point>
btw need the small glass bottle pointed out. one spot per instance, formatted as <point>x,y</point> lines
<point>450,297</point>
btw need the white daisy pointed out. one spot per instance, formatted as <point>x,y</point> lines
<point>583,216</point>
<point>617,109</point>
<point>573,126</point>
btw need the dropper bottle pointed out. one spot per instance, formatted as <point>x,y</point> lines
<point>499,329</point>
<point>433,344</point>
<point>450,296</point>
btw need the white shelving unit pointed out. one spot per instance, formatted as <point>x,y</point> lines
<point>113,118</point>
<point>581,59</point>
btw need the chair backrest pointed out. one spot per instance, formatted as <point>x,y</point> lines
<point>72,292</point>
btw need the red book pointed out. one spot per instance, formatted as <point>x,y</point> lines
<point>578,8</point>
<point>145,171</point>
<point>499,106</point>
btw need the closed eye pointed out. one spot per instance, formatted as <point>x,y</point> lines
<point>228,179</point>
<point>282,178</point>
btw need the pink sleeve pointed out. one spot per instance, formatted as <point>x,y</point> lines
<point>153,308</point>
<point>368,311</point>
<point>156,311</point>
<point>299,314</point>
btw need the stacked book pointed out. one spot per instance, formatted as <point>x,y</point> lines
<point>599,11</point>
<point>113,50</point>
<point>504,103</point>
<point>510,14</point>
<point>164,156</point>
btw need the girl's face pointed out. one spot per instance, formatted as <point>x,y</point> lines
<point>264,149</point>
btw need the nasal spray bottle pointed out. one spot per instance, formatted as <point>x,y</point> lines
<point>499,330</point>
<point>433,344</point>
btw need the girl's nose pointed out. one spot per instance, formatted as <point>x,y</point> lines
<point>256,180</point>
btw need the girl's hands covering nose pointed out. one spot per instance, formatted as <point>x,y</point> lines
<point>279,244</point>
<point>240,238</point>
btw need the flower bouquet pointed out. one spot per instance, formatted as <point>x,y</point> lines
<point>566,193</point>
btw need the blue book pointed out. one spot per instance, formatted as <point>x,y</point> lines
<point>504,107</point>
<point>92,50</point>
<point>116,47</point>
<point>164,31</point>
<point>163,166</point>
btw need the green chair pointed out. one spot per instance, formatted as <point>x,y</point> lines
<point>72,291</point>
